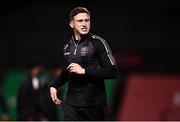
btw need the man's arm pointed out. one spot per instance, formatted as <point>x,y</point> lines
<point>108,68</point>
<point>54,85</point>
<point>62,79</point>
<point>58,82</point>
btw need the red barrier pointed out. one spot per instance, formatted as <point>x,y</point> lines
<point>151,97</point>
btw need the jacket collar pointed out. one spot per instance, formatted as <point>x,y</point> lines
<point>83,37</point>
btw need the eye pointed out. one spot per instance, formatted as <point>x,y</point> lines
<point>86,20</point>
<point>79,20</point>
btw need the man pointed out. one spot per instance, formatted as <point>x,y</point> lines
<point>30,104</point>
<point>88,61</point>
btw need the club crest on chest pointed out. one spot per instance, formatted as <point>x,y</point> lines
<point>84,51</point>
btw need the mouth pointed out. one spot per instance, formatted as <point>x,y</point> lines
<point>84,29</point>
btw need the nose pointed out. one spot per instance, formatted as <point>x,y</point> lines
<point>84,23</point>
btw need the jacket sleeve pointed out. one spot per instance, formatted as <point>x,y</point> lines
<point>62,79</point>
<point>108,69</point>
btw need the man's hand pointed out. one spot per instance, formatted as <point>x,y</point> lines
<point>76,68</point>
<point>53,93</point>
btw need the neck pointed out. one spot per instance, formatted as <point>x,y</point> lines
<point>77,36</point>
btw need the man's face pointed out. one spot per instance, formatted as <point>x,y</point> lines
<point>81,23</point>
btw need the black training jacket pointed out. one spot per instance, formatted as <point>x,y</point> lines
<point>92,53</point>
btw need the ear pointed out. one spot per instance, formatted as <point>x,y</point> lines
<point>71,24</point>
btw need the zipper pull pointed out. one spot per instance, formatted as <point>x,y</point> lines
<point>75,51</point>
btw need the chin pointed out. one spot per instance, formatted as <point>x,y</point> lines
<point>84,33</point>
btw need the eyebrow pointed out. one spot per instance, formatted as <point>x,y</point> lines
<point>83,19</point>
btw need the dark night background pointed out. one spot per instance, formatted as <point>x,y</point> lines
<point>31,29</point>
<point>143,35</point>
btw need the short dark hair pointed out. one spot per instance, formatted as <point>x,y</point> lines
<point>78,10</point>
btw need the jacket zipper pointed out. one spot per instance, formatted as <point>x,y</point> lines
<point>75,50</point>
<point>76,45</point>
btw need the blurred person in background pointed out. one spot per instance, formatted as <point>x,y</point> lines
<point>3,104</point>
<point>3,108</point>
<point>30,104</point>
<point>88,61</point>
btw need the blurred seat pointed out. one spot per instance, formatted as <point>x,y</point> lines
<point>150,97</point>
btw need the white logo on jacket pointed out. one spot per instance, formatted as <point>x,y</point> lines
<point>68,53</point>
